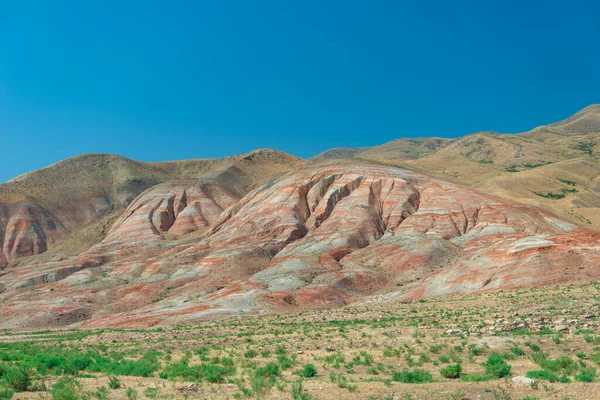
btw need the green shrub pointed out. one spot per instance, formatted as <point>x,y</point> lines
<point>250,353</point>
<point>444,359</point>
<point>151,392</point>
<point>216,373</point>
<point>539,357</point>
<point>586,375</point>
<point>66,388</point>
<point>414,376</point>
<point>298,393</point>
<point>564,379</point>
<point>532,346</point>
<point>131,394</point>
<point>19,378</point>
<point>591,339</point>
<point>568,182</point>
<point>476,378</point>
<point>308,371</point>
<point>101,393</point>
<point>342,382</point>
<point>517,351</point>
<point>113,382</point>
<point>77,364</point>
<point>389,351</point>
<point>475,351</point>
<point>508,356</point>
<point>496,366</point>
<point>263,378</point>
<point>6,393</point>
<point>285,362</point>
<point>563,364</point>
<point>542,375</point>
<point>451,371</point>
<point>269,370</point>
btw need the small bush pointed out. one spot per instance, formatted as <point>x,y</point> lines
<point>563,364</point>
<point>475,351</point>
<point>113,382</point>
<point>20,379</point>
<point>496,366</point>
<point>250,353</point>
<point>414,376</point>
<point>591,339</point>
<point>285,362</point>
<point>131,394</point>
<point>308,371</point>
<point>264,378</point>
<point>532,346</point>
<point>342,382</point>
<point>451,371</point>
<point>476,378</point>
<point>151,392</point>
<point>542,375</point>
<point>586,375</point>
<point>517,351</point>
<point>564,379</point>
<point>6,393</point>
<point>66,388</point>
<point>298,393</point>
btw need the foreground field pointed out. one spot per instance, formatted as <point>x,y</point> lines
<point>486,346</point>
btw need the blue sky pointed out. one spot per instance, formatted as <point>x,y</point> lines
<point>156,80</point>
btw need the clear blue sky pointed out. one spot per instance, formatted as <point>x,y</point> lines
<point>158,80</point>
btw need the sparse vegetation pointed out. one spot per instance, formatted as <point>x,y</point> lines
<point>349,351</point>
<point>526,166</point>
<point>586,146</point>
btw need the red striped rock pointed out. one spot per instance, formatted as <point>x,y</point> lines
<point>171,208</point>
<point>28,230</point>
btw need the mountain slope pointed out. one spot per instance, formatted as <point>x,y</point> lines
<point>39,209</point>
<point>531,167</point>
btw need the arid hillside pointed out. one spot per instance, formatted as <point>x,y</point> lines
<point>555,167</point>
<point>69,206</point>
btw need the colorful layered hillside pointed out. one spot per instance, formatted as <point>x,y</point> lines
<point>328,234</point>
<point>70,205</point>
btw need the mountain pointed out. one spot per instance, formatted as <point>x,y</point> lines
<point>40,209</point>
<point>554,167</point>
<point>326,234</point>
